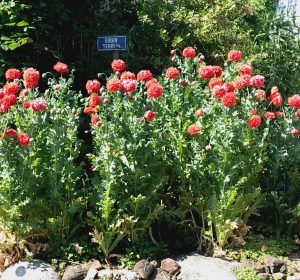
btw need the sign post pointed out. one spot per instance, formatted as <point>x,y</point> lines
<point>113,43</point>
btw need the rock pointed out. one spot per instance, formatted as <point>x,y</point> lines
<point>169,265</point>
<point>279,275</point>
<point>143,268</point>
<point>258,267</point>
<point>194,266</point>
<point>159,274</point>
<point>35,270</point>
<point>122,274</point>
<point>266,276</point>
<point>92,272</point>
<point>293,277</point>
<point>75,272</point>
<point>96,264</point>
<point>274,264</point>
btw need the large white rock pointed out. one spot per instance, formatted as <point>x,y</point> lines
<point>194,266</point>
<point>35,270</point>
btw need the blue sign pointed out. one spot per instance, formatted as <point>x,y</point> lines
<point>112,43</point>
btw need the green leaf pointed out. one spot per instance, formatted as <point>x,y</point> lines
<point>22,23</point>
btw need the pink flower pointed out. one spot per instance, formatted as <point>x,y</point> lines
<point>193,129</point>
<point>245,69</point>
<point>61,67</point>
<point>12,74</point>
<point>126,75</point>
<point>39,104</point>
<point>219,91</point>
<point>294,132</point>
<point>172,73</point>
<point>113,84</point>
<point>92,86</point>
<point>234,55</point>
<point>257,81</point>
<point>128,85</point>
<point>155,91</point>
<point>254,121</point>
<point>118,65</point>
<point>206,72</point>
<point>229,99</point>
<point>95,100</point>
<point>199,112</point>
<point>269,115</point>
<point>144,75</point>
<point>294,101</point>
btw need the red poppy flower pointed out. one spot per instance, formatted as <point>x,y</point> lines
<point>229,86</point>
<point>253,111</point>
<point>206,72</point>
<point>23,139</point>
<point>89,110</point>
<point>155,91</point>
<point>144,75</point>
<point>12,74</point>
<point>219,91</point>
<point>276,99</point>
<point>39,104</point>
<point>218,71</point>
<point>149,116</point>
<point>260,94</point>
<point>214,82</point>
<point>229,99</point>
<point>95,100</point>
<point>61,67</point>
<point>269,115</point>
<point>193,129</point>
<point>257,81</point>
<point>11,88</point>
<point>294,101</point>
<point>31,77</point>
<point>298,114</point>
<point>172,73</point>
<point>274,90</point>
<point>189,52</point>
<point>92,86</point>
<point>94,119</point>
<point>10,132</point>
<point>199,112</point>
<point>295,132</point>
<point>26,104</point>
<point>113,84</point>
<point>241,81</point>
<point>245,69</point>
<point>128,85</point>
<point>234,55</point>
<point>150,82</point>
<point>118,65</point>
<point>126,75</point>
<point>11,99</point>
<point>278,113</point>
<point>254,121</point>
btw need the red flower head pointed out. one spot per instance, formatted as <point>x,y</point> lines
<point>61,67</point>
<point>229,99</point>
<point>294,132</point>
<point>229,86</point>
<point>257,81</point>
<point>90,110</point>
<point>149,116</point>
<point>172,73</point>
<point>189,52</point>
<point>150,82</point>
<point>278,113</point>
<point>144,75</point>
<point>23,139</point>
<point>253,111</point>
<point>206,72</point>
<point>26,104</point>
<point>274,90</point>
<point>219,91</point>
<point>214,82</point>
<point>269,115</point>
<point>95,100</point>
<point>128,85</point>
<point>260,94</point>
<point>199,112</point>
<point>39,104</point>
<point>298,114</point>
<point>217,71</point>
<point>155,91</point>
<point>1,93</point>
<point>12,74</point>
<point>294,101</point>
<point>94,119</point>
<point>254,121</point>
<point>241,81</point>
<point>275,98</point>
<point>234,55</point>
<point>113,84</point>
<point>31,78</point>
<point>23,93</point>
<point>7,102</point>
<point>10,132</point>
<point>11,88</point>
<point>126,75</point>
<point>92,86</point>
<point>118,65</point>
<point>245,69</point>
<point>193,129</point>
